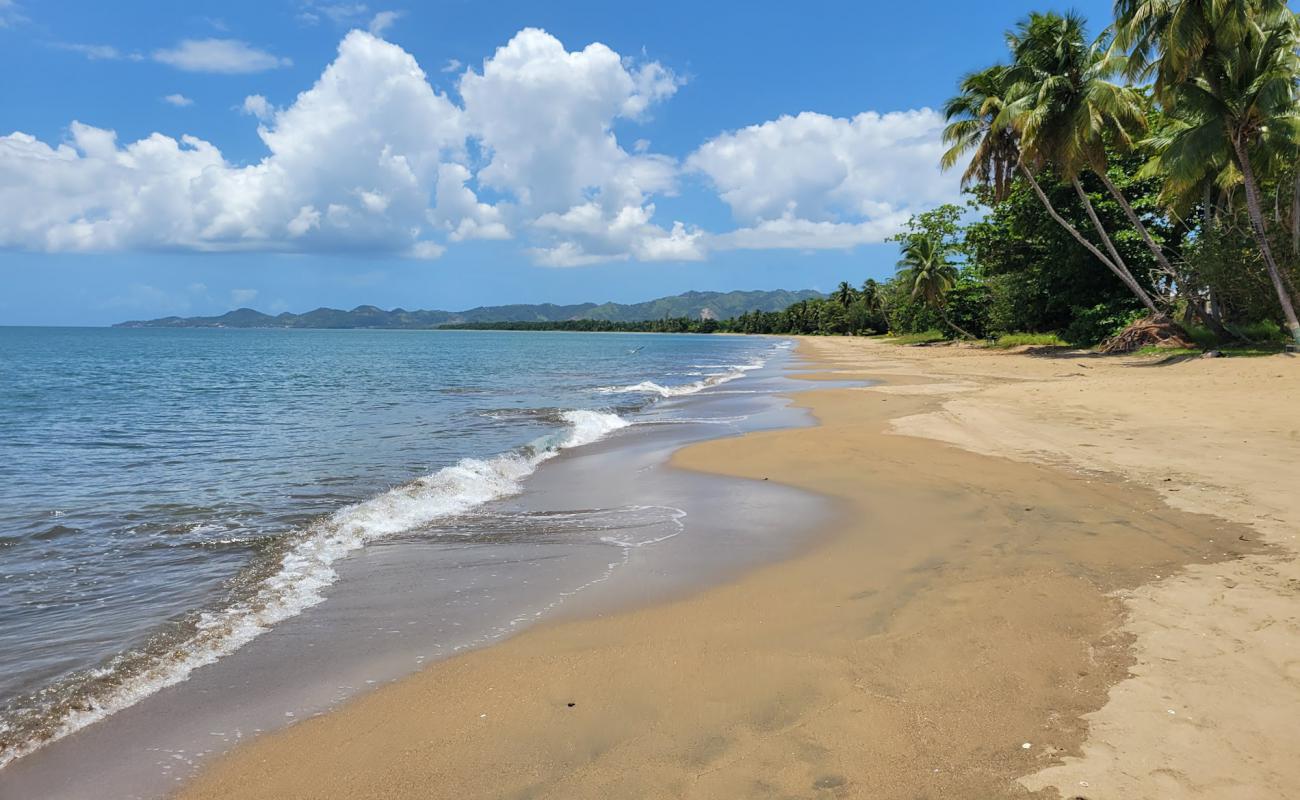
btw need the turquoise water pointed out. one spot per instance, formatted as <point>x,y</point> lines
<point>167,495</point>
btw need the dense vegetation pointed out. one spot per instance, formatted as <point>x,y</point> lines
<point>665,325</point>
<point>1150,172</point>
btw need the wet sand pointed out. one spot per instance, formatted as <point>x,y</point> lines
<point>980,621</point>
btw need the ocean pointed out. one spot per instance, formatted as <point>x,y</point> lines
<point>169,496</point>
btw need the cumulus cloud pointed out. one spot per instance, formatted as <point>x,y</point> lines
<point>545,117</point>
<point>349,167</point>
<point>813,180</point>
<point>230,56</point>
<point>372,158</point>
<point>178,100</point>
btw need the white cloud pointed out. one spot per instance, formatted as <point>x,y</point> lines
<point>242,297</point>
<point>458,210</point>
<point>338,13</point>
<point>384,20</point>
<point>255,105</point>
<point>588,235</point>
<point>230,56</point>
<point>452,65</point>
<point>426,251</point>
<point>97,52</point>
<point>178,100</point>
<point>371,158</point>
<point>789,232</point>
<point>813,180</point>
<point>350,167</point>
<point>545,117</point>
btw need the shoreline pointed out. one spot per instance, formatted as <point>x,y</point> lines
<point>967,606</point>
<point>555,550</point>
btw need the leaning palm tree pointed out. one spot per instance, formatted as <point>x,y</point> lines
<point>979,124</point>
<point>1229,68</point>
<point>845,294</point>
<point>1066,112</point>
<point>925,269</point>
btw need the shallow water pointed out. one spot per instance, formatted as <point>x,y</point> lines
<point>166,497</point>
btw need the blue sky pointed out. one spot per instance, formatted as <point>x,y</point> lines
<point>186,158</point>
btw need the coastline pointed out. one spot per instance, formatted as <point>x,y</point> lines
<point>964,606</point>
<point>602,524</point>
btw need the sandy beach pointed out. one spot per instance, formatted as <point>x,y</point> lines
<point>1049,575</point>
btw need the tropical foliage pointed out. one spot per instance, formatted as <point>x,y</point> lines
<point>1152,170</point>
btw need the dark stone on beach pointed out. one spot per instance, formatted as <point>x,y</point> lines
<point>828,782</point>
<point>571,705</point>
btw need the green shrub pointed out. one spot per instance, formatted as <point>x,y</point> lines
<point>1092,325</point>
<point>1037,339</point>
<point>923,337</point>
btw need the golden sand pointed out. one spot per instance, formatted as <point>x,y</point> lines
<point>1044,607</point>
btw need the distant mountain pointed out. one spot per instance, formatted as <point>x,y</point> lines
<point>696,305</point>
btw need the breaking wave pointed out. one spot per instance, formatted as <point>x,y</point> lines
<point>285,586</point>
<point>713,379</point>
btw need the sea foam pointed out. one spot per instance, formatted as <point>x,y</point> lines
<point>714,379</point>
<point>306,568</point>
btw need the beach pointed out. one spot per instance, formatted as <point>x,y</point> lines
<point>1057,575</point>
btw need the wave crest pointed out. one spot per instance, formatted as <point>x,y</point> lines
<point>296,583</point>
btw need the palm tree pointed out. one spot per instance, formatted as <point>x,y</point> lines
<point>875,299</point>
<point>926,269</point>
<point>845,295</point>
<point>1228,68</point>
<point>979,123</point>
<point>972,125</point>
<point>1066,111</point>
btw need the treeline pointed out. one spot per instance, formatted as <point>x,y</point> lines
<point>666,325</point>
<point>1153,171</point>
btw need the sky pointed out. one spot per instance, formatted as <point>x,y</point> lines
<point>162,158</point>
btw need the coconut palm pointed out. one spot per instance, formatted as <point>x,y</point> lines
<point>1228,69</point>
<point>972,126</point>
<point>1167,41</point>
<point>874,297</point>
<point>979,123</point>
<point>845,294</point>
<point>925,268</point>
<point>1066,112</point>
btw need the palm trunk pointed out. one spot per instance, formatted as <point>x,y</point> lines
<point>1209,318</point>
<point>1081,239</point>
<point>1155,248</point>
<point>1207,207</point>
<point>1106,242</point>
<point>1051,212</point>
<point>944,313</point>
<point>1255,207</point>
<point>1295,216</point>
<point>884,314</point>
